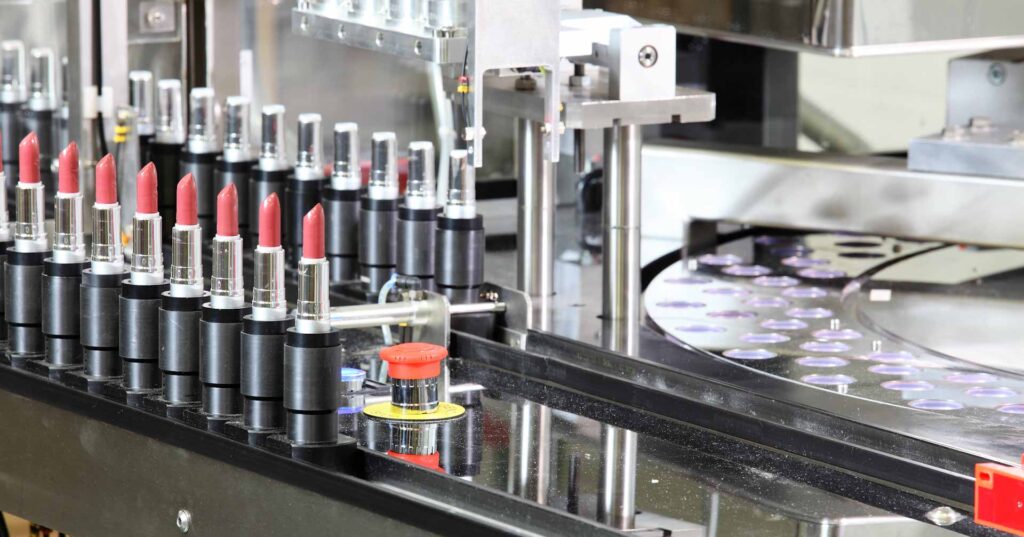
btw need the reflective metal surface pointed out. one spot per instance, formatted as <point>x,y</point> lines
<point>802,191</point>
<point>837,27</point>
<point>579,465</point>
<point>807,309</point>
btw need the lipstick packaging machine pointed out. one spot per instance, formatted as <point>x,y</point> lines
<point>511,267</point>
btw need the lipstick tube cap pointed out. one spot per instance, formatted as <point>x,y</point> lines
<point>140,96</point>
<point>272,151</point>
<point>170,128</point>
<point>12,72</point>
<point>347,174</point>
<point>42,80</point>
<point>309,161</point>
<point>384,168</point>
<point>237,131</point>
<point>202,125</point>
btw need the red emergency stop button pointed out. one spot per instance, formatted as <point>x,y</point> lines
<point>999,497</point>
<point>414,361</point>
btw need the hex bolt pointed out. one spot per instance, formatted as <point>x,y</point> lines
<point>184,520</point>
<point>648,56</point>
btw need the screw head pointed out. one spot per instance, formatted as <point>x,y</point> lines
<point>184,520</point>
<point>648,56</point>
<point>943,516</point>
<point>154,17</point>
<point>996,74</point>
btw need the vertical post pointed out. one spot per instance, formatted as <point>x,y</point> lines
<point>621,257</point>
<point>616,504</point>
<point>536,229</point>
<point>621,310</point>
<point>529,453</point>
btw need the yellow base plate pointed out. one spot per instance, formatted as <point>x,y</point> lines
<point>387,411</point>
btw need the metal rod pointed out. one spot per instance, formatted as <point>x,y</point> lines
<point>621,260</point>
<point>536,230</point>
<point>395,313</point>
<point>616,504</point>
<point>368,315</point>
<point>476,307</point>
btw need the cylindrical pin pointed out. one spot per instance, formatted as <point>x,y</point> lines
<point>378,241</point>
<point>341,204</point>
<point>166,149</point>
<point>236,165</point>
<point>272,168</point>
<point>304,187</point>
<point>201,150</point>
<point>459,265</point>
<point>417,217</point>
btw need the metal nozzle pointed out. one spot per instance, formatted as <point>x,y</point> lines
<point>42,80</point>
<point>421,192</point>
<point>12,72</point>
<point>140,96</point>
<point>384,175</point>
<point>202,124</point>
<point>272,155</point>
<point>237,144</point>
<point>309,161</point>
<point>170,127</point>
<point>347,173</point>
<point>461,187</point>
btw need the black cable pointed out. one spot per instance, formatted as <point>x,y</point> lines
<point>97,69</point>
<point>4,532</point>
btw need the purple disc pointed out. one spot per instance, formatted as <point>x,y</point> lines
<point>822,361</point>
<point>767,302</point>
<point>1013,408</point>
<point>770,240</point>
<point>805,292</point>
<point>936,404</point>
<point>825,346</point>
<point>731,314</point>
<point>803,262</point>
<point>783,324</point>
<point>689,280</point>
<point>971,378</point>
<point>991,391</point>
<point>829,380</point>
<point>907,385</point>
<point>844,334</point>
<point>698,328</point>
<point>727,291</point>
<point>767,337</point>
<point>893,369</point>
<point>746,270</point>
<point>809,313</point>
<point>680,304</point>
<point>891,357</point>
<point>821,274</point>
<point>795,250</point>
<point>719,260</point>
<point>775,281</point>
<point>749,354</point>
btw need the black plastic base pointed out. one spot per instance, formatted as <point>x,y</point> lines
<point>133,398</point>
<point>201,420</point>
<point>16,361</point>
<point>78,380</point>
<point>336,456</point>
<point>48,370</point>
<point>235,430</point>
<point>156,404</point>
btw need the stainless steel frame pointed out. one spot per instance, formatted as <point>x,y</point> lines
<point>816,191</point>
<point>849,28</point>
